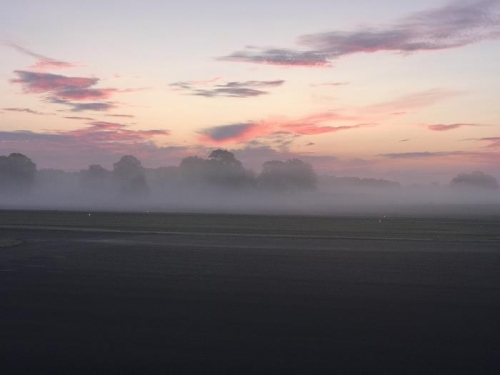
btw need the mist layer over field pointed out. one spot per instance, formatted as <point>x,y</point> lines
<point>403,202</point>
<point>222,184</point>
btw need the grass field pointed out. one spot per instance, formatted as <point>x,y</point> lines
<point>226,294</point>
<point>444,228</point>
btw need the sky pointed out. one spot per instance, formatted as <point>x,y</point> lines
<point>388,89</point>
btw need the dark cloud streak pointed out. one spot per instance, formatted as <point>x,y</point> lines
<point>232,89</point>
<point>423,154</point>
<point>25,110</point>
<point>81,107</point>
<point>228,132</point>
<point>231,92</point>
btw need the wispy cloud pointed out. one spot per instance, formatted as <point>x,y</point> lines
<point>231,92</point>
<point>189,85</point>
<point>262,84</point>
<point>280,57</point>
<point>313,129</point>
<point>329,84</point>
<point>456,24</point>
<point>448,127</point>
<point>25,110</point>
<point>81,107</point>
<point>233,89</point>
<point>413,101</point>
<point>186,85</point>
<point>423,154</point>
<point>79,118</point>
<point>44,62</point>
<point>492,142</point>
<point>120,116</point>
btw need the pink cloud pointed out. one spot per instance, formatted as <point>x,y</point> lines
<point>447,127</point>
<point>413,101</point>
<point>34,82</point>
<point>75,92</point>
<point>313,129</point>
<point>120,115</point>
<point>86,94</point>
<point>44,62</point>
<point>318,123</point>
<point>307,125</point>
<point>50,64</point>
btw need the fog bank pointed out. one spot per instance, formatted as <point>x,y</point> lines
<point>222,184</point>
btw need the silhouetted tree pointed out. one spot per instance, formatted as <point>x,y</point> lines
<point>193,169</point>
<point>163,176</point>
<point>227,171</point>
<point>475,180</point>
<point>221,169</point>
<point>290,175</point>
<point>224,158</point>
<point>52,178</point>
<point>17,172</point>
<point>352,184</point>
<point>128,172</point>
<point>137,185</point>
<point>94,177</point>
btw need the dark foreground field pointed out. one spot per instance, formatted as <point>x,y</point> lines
<point>139,293</point>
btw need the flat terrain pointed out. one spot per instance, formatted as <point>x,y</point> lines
<point>235,294</point>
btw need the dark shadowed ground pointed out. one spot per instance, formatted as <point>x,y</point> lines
<point>138,293</point>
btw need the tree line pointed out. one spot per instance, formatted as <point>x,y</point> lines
<point>221,170</point>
